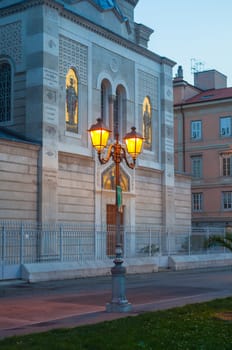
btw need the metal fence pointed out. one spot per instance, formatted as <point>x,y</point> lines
<point>22,243</point>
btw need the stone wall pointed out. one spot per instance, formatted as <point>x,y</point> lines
<point>76,178</point>
<point>149,206</point>
<point>18,180</point>
<point>148,197</point>
<point>75,189</point>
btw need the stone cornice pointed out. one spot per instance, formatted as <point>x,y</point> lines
<point>116,38</point>
<point>88,25</point>
<point>23,5</point>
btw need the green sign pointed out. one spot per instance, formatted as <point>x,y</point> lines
<point>119,197</point>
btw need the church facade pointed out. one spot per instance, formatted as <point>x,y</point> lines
<point>63,64</point>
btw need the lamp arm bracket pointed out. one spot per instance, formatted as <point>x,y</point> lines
<point>109,154</point>
<point>129,164</point>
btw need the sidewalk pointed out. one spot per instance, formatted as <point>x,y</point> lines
<point>29,308</point>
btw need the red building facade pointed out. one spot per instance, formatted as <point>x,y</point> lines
<point>203,144</point>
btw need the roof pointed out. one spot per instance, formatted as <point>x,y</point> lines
<point>105,4</point>
<point>109,5</point>
<point>211,95</point>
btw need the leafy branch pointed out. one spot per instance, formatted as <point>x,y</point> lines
<point>224,241</point>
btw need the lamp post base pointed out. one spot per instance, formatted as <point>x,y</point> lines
<point>119,302</point>
<point>120,308</point>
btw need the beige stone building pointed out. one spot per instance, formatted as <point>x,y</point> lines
<point>63,64</point>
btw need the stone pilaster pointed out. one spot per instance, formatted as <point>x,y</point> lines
<point>167,139</point>
<point>42,102</point>
<point>112,99</point>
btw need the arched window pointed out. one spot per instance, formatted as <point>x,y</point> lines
<point>108,179</point>
<point>5,92</point>
<point>120,111</point>
<point>105,96</point>
<point>103,101</point>
<point>71,110</point>
<point>147,123</point>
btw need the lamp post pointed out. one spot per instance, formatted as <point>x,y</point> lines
<point>117,152</point>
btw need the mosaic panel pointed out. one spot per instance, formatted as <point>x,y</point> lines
<point>73,54</point>
<point>148,86</point>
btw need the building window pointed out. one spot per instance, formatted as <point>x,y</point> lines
<point>227,200</point>
<point>147,123</point>
<point>226,165</point>
<point>103,101</point>
<point>5,92</point>
<point>71,116</point>
<point>105,96</point>
<point>196,166</point>
<point>196,129</point>
<point>197,201</point>
<point>225,126</point>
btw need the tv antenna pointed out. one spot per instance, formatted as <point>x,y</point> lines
<point>196,66</point>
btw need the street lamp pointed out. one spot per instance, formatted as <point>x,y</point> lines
<point>99,134</point>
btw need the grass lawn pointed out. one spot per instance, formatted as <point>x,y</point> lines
<point>199,327</point>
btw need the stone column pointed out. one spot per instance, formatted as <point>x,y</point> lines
<point>112,99</point>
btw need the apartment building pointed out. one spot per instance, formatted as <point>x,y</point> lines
<point>203,144</point>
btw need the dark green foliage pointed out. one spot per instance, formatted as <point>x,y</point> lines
<point>224,241</point>
<point>193,327</point>
<point>150,249</point>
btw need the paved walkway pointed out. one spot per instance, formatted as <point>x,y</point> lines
<point>29,308</point>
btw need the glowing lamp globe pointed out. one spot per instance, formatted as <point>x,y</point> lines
<point>134,143</point>
<point>99,134</point>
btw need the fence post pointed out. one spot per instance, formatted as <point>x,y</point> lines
<point>160,241</point>
<point>207,235</point>
<point>99,235</point>
<point>224,248</point>
<point>189,241</point>
<point>150,250</point>
<point>21,245</point>
<point>95,242</point>
<point>61,242</point>
<point>3,249</point>
<point>169,243</point>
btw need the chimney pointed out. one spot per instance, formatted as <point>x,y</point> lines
<point>210,79</point>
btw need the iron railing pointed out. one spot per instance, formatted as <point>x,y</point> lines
<point>27,242</point>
